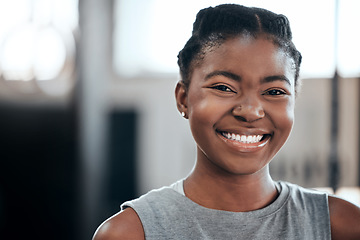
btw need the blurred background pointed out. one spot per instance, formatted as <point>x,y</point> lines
<point>88,117</point>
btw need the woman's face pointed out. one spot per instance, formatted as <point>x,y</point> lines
<point>240,104</point>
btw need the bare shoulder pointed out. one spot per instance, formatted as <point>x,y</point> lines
<point>345,219</point>
<point>123,225</point>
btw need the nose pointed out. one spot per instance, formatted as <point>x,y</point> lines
<point>248,110</point>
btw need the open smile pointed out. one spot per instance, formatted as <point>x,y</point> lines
<point>244,142</point>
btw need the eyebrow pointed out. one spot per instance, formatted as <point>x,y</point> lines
<point>225,74</point>
<point>276,78</point>
<point>237,78</point>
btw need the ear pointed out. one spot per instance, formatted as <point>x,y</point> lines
<point>181,98</point>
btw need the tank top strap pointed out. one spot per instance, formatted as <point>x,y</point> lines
<point>178,187</point>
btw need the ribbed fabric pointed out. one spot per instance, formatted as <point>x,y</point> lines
<point>297,213</point>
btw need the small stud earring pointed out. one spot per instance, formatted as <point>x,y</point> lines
<point>183,114</point>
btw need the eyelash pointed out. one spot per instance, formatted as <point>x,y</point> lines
<point>271,92</point>
<point>275,92</point>
<point>223,88</point>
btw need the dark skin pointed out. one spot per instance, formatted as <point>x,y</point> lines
<point>230,174</point>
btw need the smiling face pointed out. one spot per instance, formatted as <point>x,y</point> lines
<point>240,104</point>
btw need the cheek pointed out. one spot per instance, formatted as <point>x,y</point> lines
<point>201,114</point>
<point>286,120</point>
<point>290,109</point>
<point>203,109</point>
<point>282,116</point>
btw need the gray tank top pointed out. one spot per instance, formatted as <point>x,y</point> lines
<point>297,213</point>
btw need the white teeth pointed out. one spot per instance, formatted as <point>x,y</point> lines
<point>243,138</point>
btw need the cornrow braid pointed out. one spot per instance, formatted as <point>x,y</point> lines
<point>214,25</point>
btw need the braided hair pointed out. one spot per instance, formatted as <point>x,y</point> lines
<point>215,25</point>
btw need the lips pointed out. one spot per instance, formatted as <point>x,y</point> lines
<point>245,142</point>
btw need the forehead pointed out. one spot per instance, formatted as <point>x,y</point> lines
<point>249,56</point>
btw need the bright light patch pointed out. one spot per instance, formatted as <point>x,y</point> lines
<point>17,56</point>
<point>31,53</point>
<point>349,38</point>
<point>33,46</point>
<point>51,54</point>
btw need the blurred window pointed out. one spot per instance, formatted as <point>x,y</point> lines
<point>37,43</point>
<point>150,33</point>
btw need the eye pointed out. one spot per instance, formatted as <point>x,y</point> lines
<point>222,88</point>
<point>275,92</point>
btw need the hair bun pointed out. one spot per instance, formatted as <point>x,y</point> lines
<point>226,18</point>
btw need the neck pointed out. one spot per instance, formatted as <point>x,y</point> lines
<point>230,192</point>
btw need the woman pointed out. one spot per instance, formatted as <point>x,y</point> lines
<point>239,75</point>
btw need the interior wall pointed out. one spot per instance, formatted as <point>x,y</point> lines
<point>349,134</point>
